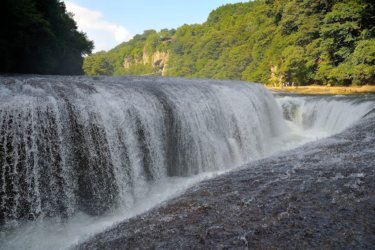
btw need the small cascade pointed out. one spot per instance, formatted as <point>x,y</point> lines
<point>330,114</point>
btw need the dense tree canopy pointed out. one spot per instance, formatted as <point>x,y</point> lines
<point>39,36</point>
<point>268,41</point>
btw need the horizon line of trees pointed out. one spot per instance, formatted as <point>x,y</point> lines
<point>267,41</point>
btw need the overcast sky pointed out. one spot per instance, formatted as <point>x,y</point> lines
<point>110,22</point>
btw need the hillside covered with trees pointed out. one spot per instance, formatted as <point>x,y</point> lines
<point>40,37</point>
<point>273,41</point>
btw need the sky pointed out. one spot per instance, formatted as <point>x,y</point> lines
<point>111,22</point>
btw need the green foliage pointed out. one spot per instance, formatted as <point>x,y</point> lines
<point>293,64</point>
<point>341,29</point>
<point>304,42</point>
<point>131,58</point>
<point>363,62</point>
<point>39,36</point>
<point>97,65</point>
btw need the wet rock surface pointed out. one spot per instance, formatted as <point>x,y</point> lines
<point>319,196</point>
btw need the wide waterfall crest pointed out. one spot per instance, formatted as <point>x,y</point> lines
<point>70,144</point>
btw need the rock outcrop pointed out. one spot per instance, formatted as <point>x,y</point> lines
<point>158,60</point>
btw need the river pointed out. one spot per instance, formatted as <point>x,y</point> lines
<point>80,154</point>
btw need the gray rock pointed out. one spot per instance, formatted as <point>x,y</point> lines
<point>319,196</point>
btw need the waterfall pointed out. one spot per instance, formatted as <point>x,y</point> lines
<point>78,144</point>
<point>328,114</point>
<point>79,154</point>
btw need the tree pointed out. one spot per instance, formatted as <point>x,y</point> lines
<point>341,29</point>
<point>293,65</point>
<point>363,62</point>
<point>97,64</point>
<point>40,37</point>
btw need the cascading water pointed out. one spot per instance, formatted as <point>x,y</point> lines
<point>74,150</point>
<point>74,144</point>
<point>325,115</point>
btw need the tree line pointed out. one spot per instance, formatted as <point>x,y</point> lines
<point>40,37</point>
<point>268,41</point>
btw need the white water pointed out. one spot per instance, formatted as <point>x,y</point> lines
<point>329,114</point>
<point>52,233</point>
<point>142,141</point>
<point>314,117</point>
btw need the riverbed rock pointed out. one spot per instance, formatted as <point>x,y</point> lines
<point>319,196</point>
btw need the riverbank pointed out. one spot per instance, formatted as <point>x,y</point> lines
<point>319,196</point>
<point>325,90</point>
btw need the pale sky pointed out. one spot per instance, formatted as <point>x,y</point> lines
<point>110,22</point>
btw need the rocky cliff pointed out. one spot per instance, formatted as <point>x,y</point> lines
<point>158,60</point>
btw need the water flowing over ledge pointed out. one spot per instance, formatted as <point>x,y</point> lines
<point>79,154</point>
<point>71,144</point>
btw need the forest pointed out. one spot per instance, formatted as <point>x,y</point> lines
<point>40,37</point>
<point>278,42</point>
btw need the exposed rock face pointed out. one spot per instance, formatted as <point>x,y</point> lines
<point>158,60</point>
<point>145,57</point>
<point>320,196</point>
<point>127,62</point>
<point>276,79</point>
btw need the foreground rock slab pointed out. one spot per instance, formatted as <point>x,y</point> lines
<point>319,196</point>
